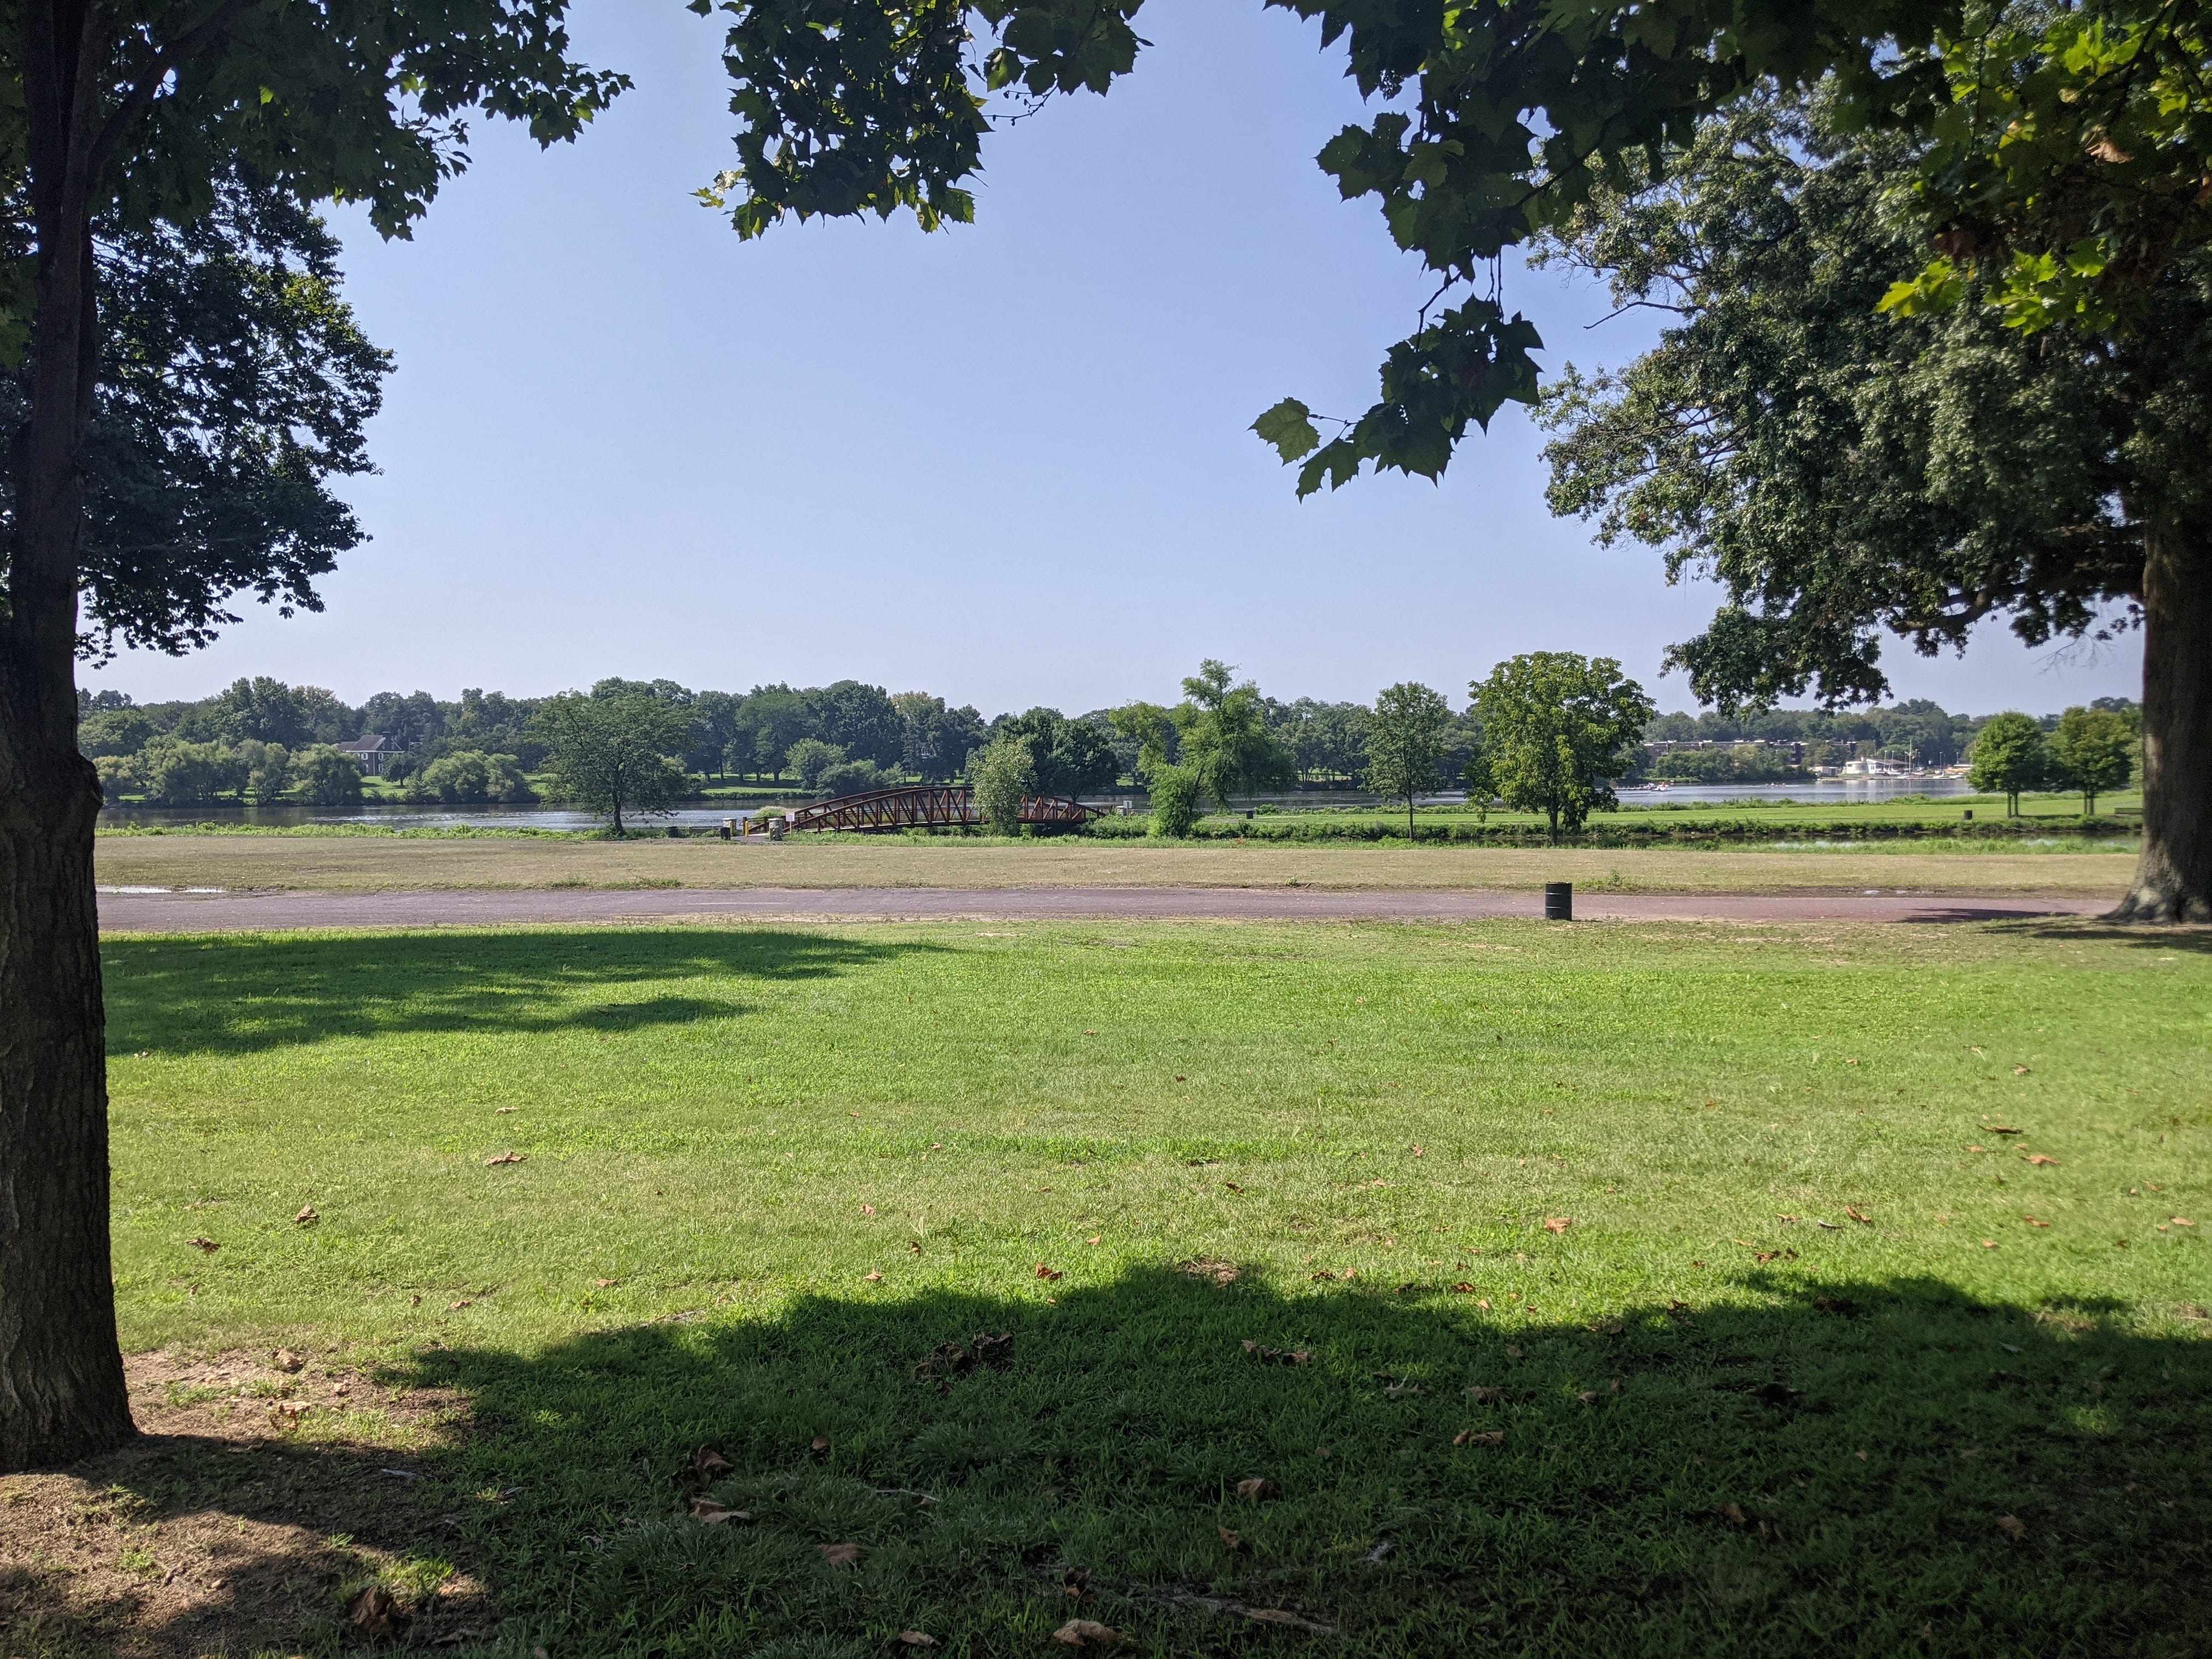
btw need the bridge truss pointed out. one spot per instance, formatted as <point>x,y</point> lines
<point>928,806</point>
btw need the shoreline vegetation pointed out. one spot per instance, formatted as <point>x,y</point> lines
<point>1738,824</point>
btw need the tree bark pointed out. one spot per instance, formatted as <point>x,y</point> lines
<point>61,1393</point>
<point>2174,875</point>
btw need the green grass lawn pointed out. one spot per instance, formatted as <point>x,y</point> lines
<point>1599,1356</point>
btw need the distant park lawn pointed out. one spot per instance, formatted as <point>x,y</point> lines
<point>1619,1289</point>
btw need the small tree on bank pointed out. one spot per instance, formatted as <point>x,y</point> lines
<point>2008,757</point>
<point>1406,733</point>
<point>1558,729</point>
<point>999,776</point>
<point>2092,750</point>
<point>611,755</point>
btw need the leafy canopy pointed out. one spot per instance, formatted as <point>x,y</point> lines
<point>1843,474</point>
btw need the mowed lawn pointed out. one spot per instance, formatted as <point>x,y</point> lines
<point>1604,1288</point>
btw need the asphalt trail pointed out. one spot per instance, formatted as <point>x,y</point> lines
<point>144,912</point>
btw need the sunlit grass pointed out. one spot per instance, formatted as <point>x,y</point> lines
<point>767,1170</point>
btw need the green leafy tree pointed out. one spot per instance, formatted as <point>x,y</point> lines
<point>468,776</point>
<point>2008,757</point>
<point>1847,474</point>
<point>1224,737</point>
<point>326,777</point>
<point>770,719</point>
<point>268,770</point>
<point>1000,775</point>
<point>1481,780</point>
<point>2092,750</point>
<point>114,731</point>
<point>118,776</point>
<point>1174,792</point>
<point>1557,730</point>
<point>174,773</point>
<point>1406,735</point>
<point>1067,758</point>
<point>809,758</point>
<point>851,777</point>
<point>615,755</point>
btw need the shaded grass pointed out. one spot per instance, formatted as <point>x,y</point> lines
<point>735,1127</point>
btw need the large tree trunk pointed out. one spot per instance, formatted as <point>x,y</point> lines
<point>61,1372</point>
<point>2173,876</point>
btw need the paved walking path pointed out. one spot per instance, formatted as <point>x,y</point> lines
<point>122,911</point>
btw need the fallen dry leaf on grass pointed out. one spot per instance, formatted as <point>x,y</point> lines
<point>2020,1071</point>
<point>2002,1129</point>
<point>455,1307</point>
<point>1088,1632</point>
<point>1988,1244</point>
<point>1606,1327</point>
<point>1463,1289</point>
<point>1258,1489</point>
<point>1482,1396</point>
<point>284,1359</point>
<point>1731,1512</point>
<point>306,1218</point>
<point>1978,1149</point>
<point>914,1639</point>
<point>2035,1221</point>
<point>914,1245</point>
<point>1278,1356</point>
<point>873,1276</point>
<point>2040,1157</point>
<point>605,1284</point>
<point>1095,1239</point>
<point>1558,1224</point>
<point>206,1245</point>
<point>506,1158</point>
<point>819,1444</point>
<point>840,1555</point>
<point>377,1615</point>
<point>867,1209</point>
<point>1512,1352</point>
<point>1587,1395</point>
<point>1043,1272</point>
<point>707,1511</point>
<point>504,1110</point>
<point>1851,1213</point>
<point>1233,1541</point>
<point>705,1464</point>
<point>1482,1438</point>
<point>994,1350</point>
<point>2012,1524</point>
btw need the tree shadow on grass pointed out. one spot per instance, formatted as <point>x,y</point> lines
<point>2195,940</point>
<point>1817,1468</point>
<point>244,995</point>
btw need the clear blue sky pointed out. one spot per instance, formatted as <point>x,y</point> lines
<point>1007,463</point>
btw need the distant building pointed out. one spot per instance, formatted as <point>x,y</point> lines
<point>369,753</point>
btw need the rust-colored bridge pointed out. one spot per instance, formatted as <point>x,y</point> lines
<point>927,806</point>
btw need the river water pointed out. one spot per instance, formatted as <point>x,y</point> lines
<point>1826,792</point>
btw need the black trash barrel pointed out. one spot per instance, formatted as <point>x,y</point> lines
<point>1559,901</point>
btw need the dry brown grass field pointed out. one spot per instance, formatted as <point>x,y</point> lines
<point>372,864</point>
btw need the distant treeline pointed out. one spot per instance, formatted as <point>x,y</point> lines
<point>264,738</point>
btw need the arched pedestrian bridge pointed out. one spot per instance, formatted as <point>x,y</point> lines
<point>929,806</point>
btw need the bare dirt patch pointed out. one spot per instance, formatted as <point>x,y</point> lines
<point>256,1504</point>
